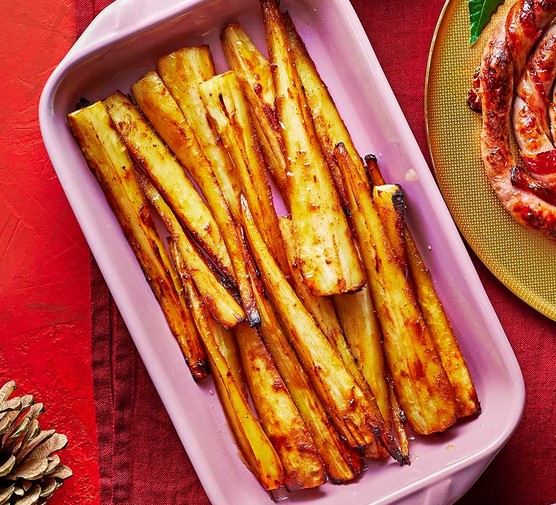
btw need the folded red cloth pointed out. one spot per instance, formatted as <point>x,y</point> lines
<point>136,467</point>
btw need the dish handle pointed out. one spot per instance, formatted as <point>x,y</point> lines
<point>121,16</point>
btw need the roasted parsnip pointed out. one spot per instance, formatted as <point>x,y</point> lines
<point>254,73</point>
<point>364,338</point>
<point>228,109</point>
<point>325,251</point>
<point>162,111</point>
<point>111,164</point>
<point>222,306</point>
<point>278,414</point>
<point>356,312</point>
<point>389,202</point>
<point>342,463</point>
<point>256,448</point>
<point>420,381</point>
<point>324,314</point>
<point>182,71</point>
<point>343,399</point>
<point>329,125</point>
<point>150,153</point>
<point>441,330</point>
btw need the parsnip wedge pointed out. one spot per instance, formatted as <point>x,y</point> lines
<point>227,107</point>
<point>325,250</point>
<point>260,455</point>
<point>420,381</point>
<point>324,314</point>
<point>363,335</point>
<point>342,463</point>
<point>111,164</point>
<point>389,202</point>
<point>343,399</point>
<point>182,71</point>
<point>254,74</point>
<point>444,337</point>
<point>162,111</point>
<point>150,153</point>
<point>329,125</point>
<point>218,300</point>
<point>303,468</point>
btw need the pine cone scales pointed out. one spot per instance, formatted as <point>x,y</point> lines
<point>30,472</point>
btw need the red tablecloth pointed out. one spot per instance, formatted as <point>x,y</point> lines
<point>48,293</point>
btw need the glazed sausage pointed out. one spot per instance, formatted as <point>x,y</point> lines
<point>531,106</point>
<point>527,200</point>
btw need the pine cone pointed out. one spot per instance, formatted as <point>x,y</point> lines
<point>29,471</point>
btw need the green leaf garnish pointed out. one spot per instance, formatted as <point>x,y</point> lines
<point>480,12</point>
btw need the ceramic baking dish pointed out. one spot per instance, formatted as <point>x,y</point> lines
<point>121,44</point>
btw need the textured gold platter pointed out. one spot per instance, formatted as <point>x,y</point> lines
<point>521,259</point>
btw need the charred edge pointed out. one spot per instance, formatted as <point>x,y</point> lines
<point>199,369</point>
<point>82,103</point>
<point>227,282</point>
<point>398,201</point>
<point>374,175</point>
<point>389,443</point>
<point>521,178</point>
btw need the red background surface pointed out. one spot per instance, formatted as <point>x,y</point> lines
<point>44,267</point>
<point>45,342</point>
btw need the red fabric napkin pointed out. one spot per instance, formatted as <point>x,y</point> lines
<point>139,468</point>
<point>135,466</point>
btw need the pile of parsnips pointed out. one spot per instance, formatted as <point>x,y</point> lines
<point>327,318</point>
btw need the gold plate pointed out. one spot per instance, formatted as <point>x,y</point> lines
<point>522,259</point>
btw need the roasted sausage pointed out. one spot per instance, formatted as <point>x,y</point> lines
<point>527,200</point>
<point>531,106</point>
